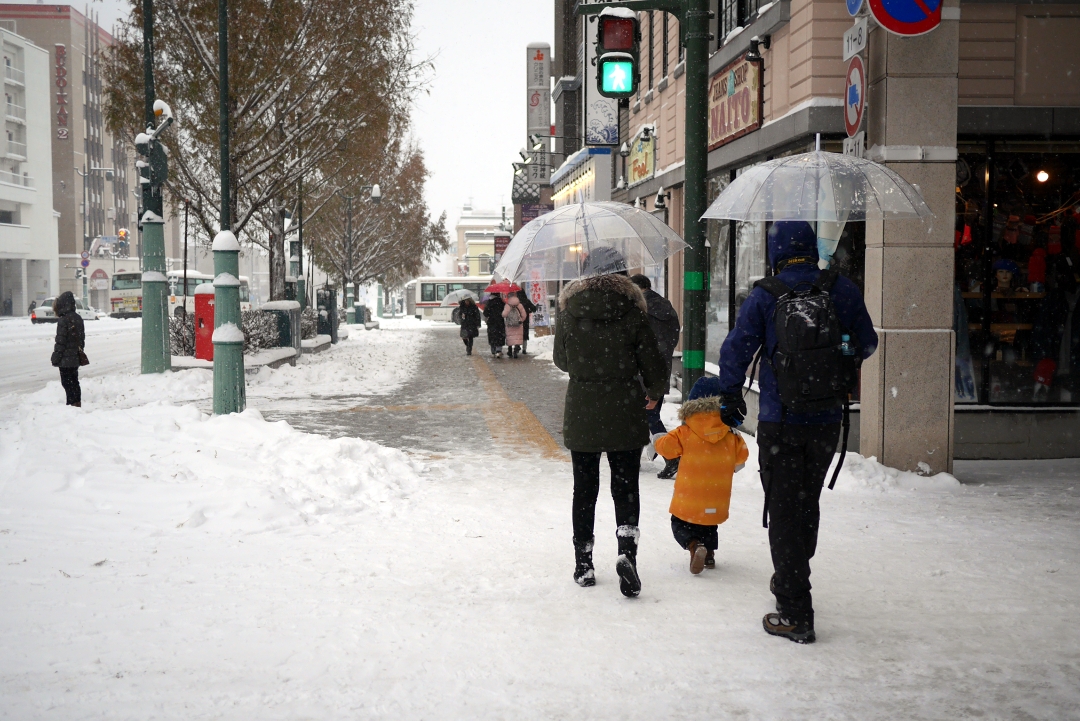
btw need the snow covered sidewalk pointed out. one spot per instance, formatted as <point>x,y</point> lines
<point>156,562</point>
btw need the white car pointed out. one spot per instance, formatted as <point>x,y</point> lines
<point>43,313</point>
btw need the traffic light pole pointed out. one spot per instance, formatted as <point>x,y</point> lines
<point>156,352</point>
<point>693,16</point>
<point>230,392</point>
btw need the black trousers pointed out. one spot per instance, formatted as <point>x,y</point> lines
<point>794,461</point>
<point>468,343</point>
<point>684,532</point>
<point>69,378</point>
<point>625,466</point>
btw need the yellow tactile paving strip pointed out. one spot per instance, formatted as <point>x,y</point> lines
<point>512,423</point>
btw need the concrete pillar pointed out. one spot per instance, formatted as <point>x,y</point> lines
<point>20,304</point>
<point>907,386</point>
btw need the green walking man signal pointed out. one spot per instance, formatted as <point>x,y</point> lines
<point>617,53</point>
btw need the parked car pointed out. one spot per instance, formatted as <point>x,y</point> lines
<point>44,313</point>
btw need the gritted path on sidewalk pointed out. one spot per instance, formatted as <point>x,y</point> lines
<point>455,403</point>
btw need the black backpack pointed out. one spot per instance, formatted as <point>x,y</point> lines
<point>812,373</point>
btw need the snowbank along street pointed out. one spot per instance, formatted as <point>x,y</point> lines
<point>385,533</point>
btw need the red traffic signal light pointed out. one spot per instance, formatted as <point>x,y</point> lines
<point>617,33</point>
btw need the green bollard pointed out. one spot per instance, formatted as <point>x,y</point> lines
<point>230,393</point>
<point>156,351</point>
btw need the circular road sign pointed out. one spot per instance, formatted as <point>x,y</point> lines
<point>854,95</point>
<point>85,263</point>
<point>853,7</point>
<point>906,17</point>
<point>85,255</point>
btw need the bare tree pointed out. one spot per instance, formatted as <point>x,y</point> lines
<point>314,86</point>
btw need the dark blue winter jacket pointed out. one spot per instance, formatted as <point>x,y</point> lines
<point>788,239</point>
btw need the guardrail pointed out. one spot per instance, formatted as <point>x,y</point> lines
<point>10,178</point>
<point>12,73</point>
<point>14,147</point>
<point>16,111</point>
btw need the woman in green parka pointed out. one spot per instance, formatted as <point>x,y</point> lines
<point>604,341</point>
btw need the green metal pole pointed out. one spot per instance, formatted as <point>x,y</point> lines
<point>695,197</point>
<point>301,286</point>
<point>156,354</point>
<point>230,392</point>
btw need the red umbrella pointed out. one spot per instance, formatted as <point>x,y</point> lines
<point>502,287</point>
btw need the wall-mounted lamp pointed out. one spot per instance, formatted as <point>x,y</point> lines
<point>624,150</point>
<point>756,43</point>
<point>1042,176</point>
<point>661,198</point>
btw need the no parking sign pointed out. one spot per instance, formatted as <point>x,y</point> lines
<point>854,95</point>
<point>907,17</point>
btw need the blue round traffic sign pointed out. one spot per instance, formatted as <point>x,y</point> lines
<point>906,17</point>
<point>853,7</point>
<point>85,263</point>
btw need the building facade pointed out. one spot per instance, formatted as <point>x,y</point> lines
<point>980,349</point>
<point>475,235</point>
<point>28,226</point>
<point>93,176</point>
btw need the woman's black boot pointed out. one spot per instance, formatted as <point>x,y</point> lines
<point>584,575</point>
<point>626,566</point>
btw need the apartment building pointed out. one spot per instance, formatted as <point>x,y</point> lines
<point>28,225</point>
<point>93,174</point>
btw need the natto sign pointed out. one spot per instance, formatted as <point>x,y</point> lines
<point>735,98</point>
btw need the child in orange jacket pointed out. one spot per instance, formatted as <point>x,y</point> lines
<point>711,453</point>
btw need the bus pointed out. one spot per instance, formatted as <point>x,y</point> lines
<point>126,297</point>
<point>424,296</point>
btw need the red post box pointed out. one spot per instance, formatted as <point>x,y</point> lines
<point>204,322</point>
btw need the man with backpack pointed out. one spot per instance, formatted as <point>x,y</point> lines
<point>813,332</point>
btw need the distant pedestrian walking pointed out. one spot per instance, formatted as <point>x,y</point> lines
<point>470,322</point>
<point>665,324</point>
<point>530,308</point>
<point>803,385</point>
<point>514,317</point>
<point>496,328</point>
<point>604,342</point>
<point>68,352</point>
<point>711,454</point>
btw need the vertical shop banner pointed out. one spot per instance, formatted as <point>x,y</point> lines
<point>536,289</point>
<point>502,241</point>
<point>641,163</point>
<point>601,114</point>
<point>735,99</point>
<point>538,109</point>
<point>532,211</point>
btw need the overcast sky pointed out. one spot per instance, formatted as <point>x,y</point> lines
<point>472,122</point>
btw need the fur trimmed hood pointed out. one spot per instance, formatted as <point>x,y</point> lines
<point>613,283</point>
<point>708,404</point>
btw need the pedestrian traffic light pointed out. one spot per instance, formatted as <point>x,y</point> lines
<point>617,41</point>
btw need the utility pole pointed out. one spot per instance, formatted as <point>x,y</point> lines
<point>693,16</point>
<point>230,392</point>
<point>156,352</point>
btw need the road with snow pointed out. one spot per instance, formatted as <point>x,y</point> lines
<point>112,346</point>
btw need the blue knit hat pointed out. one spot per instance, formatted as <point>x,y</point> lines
<point>706,387</point>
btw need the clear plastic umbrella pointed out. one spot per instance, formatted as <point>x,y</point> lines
<point>457,296</point>
<point>584,239</point>
<point>819,186</point>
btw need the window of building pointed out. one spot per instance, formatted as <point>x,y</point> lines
<point>652,24</point>
<point>486,266</point>
<point>664,54</point>
<point>735,14</point>
<point>1017,273</point>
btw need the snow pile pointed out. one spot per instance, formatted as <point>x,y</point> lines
<point>542,347</point>
<point>171,467</point>
<point>373,362</point>
<point>861,473</point>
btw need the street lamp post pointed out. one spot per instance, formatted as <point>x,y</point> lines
<point>230,392</point>
<point>693,18</point>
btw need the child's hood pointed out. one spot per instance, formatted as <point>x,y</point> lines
<point>702,416</point>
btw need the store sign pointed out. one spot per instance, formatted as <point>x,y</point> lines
<point>502,242</point>
<point>735,99</point>
<point>532,211</point>
<point>99,280</point>
<point>61,92</point>
<point>907,17</point>
<point>536,288</point>
<point>641,163</point>
<point>538,89</point>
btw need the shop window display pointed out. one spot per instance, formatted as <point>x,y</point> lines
<point>1016,239</point>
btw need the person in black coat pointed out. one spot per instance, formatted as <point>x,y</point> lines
<point>470,322</point>
<point>496,326</point>
<point>665,324</point>
<point>70,339</point>
<point>530,308</point>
